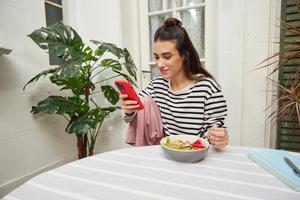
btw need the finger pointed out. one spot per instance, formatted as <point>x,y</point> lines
<point>219,147</point>
<point>129,102</point>
<point>220,134</point>
<point>218,128</point>
<point>218,144</point>
<point>131,107</point>
<point>123,96</point>
<point>217,139</point>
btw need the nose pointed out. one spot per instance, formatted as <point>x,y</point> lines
<point>160,63</point>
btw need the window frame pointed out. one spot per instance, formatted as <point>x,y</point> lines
<point>209,35</point>
<point>53,60</point>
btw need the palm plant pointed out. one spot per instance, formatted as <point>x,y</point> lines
<point>85,72</point>
<point>288,96</point>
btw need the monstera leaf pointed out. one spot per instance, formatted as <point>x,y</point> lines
<point>81,125</point>
<point>129,64</point>
<point>114,64</point>
<point>88,121</point>
<point>74,78</point>
<point>61,40</point>
<point>61,105</point>
<point>112,48</point>
<point>42,74</point>
<point>110,94</point>
<point>71,70</point>
<point>126,77</point>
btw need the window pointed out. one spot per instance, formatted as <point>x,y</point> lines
<point>190,12</point>
<point>53,10</point>
<point>288,130</point>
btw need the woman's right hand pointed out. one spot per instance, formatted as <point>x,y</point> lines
<point>128,106</point>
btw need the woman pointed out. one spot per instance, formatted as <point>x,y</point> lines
<point>188,97</point>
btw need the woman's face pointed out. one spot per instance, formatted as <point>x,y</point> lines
<point>168,59</point>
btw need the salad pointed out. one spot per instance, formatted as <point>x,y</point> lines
<point>184,145</point>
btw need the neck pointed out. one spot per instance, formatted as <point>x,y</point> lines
<point>180,82</point>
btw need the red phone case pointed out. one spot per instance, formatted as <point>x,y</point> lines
<point>125,87</point>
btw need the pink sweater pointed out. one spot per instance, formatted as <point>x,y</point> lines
<point>146,128</point>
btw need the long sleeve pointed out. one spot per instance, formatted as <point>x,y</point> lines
<point>148,91</point>
<point>128,118</point>
<point>215,110</point>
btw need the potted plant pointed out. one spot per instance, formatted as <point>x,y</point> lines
<point>287,99</point>
<point>84,72</point>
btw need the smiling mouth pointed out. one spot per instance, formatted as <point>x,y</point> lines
<point>164,71</point>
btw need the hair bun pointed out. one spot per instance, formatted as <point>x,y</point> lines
<point>173,22</point>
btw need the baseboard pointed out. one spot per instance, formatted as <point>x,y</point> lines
<point>11,185</point>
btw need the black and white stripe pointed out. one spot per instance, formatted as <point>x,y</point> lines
<point>191,110</point>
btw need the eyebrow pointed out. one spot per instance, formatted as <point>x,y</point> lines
<point>163,54</point>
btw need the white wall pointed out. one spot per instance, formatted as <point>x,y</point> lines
<point>95,19</point>
<point>31,144</point>
<point>244,30</point>
<point>130,31</point>
<point>26,143</point>
<point>100,20</point>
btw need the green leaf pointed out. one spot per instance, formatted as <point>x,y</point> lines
<point>76,85</point>
<point>42,74</point>
<point>74,77</point>
<point>61,41</point>
<point>110,94</point>
<point>96,42</point>
<point>72,70</point>
<point>131,68</point>
<point>99,52</point>
<point>61,105</point>
<point>88,121</point>
<point>129,64</point>
<point>80,126</point>
<point>126,77</point>
<point>114,64</point>
<point>111,48</point>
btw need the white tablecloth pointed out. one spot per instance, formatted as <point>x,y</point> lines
<point>145,173</point>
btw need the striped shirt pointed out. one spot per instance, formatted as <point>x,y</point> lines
<point>191,110</point>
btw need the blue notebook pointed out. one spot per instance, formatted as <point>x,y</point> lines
<point>272,160</point>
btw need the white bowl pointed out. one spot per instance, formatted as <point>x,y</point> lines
<point>185,155</point>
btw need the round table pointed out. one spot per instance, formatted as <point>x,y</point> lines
<point>144,173</point>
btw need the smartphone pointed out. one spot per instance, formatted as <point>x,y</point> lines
<point>125,87</point>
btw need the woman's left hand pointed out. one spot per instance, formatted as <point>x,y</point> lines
<point>218,137</point>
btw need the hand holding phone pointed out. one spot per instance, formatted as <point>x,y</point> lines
<point>125,87</point>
